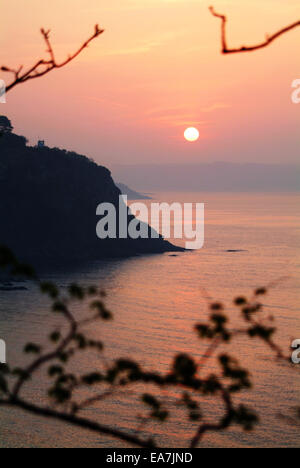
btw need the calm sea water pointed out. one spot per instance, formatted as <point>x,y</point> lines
<point>156,301</point>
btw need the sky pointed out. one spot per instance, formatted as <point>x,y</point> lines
<point>156,71</point>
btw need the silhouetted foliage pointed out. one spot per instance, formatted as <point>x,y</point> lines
<point>5,125</point>
<point>190,376</point>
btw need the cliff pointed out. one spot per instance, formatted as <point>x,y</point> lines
<point>48,201</point>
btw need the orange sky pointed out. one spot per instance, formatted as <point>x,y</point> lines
<point>155,71</point>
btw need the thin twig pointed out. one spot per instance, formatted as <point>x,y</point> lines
<point>224,422</point>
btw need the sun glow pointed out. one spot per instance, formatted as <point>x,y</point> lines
<point>191,134</point>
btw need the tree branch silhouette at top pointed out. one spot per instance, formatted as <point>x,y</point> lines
<point>266,43</point>
<point>43,66</point>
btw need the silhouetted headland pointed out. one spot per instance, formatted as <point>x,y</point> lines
<point>48,201</point>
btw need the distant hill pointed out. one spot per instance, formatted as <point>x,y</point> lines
<point>211,177</point>
<point>131,194</point>
<point>48,201</point>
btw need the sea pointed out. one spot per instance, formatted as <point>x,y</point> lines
<point>251,240</point>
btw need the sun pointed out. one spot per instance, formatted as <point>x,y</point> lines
<point>191,134</point>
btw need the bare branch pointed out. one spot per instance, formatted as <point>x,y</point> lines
<point>223,424</point>
<point>267,42</point>
<point>79,422</point>
<point>42,66</point>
